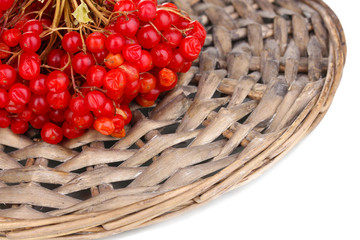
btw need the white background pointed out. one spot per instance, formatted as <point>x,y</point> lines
<point>313,193</point>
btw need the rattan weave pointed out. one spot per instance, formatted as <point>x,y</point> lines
<point>266,77</point>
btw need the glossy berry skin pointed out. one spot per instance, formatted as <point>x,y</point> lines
<point>162,20</point>
<point>130,71</point>
<point>54,58</point>
<point>146,10</point>
<point>125,112</point>
<point>152,95</point>
<point>14,108</point>
<point>57,82</point>
<point>20,94</point>
<point>124,6</point>
<point>56,116</point>
<point>148,37</point>
<point>19,126</point>
<point>4,98</point>
<point>34,26</point>
<point>51,133</point>
<point>83,122</point>
<point>95,42</point>
<point>7,75</point>
<point>174,17</point>
<point>71,42</point>
<point>39,104</point>
<point>161,55</point>
<point>115,42</point>
<point>6,4</point>
<point>147,82</point>
<point>104,125</point>
<point>196,29</point>
<point>11,37</point>
<point>100,57</point>
<point>173,37</point>
<point>66,61</point>
<point>177,62</point>
<point>4,119</point>
<point>29,66</point>
<point>127,25</point>
<point>190,48</point>
<point>167,77</point>
<point>30,42</point>
<point>78,105</point>
<point>113,60</point>
<point>145,63</point>
<point>115,81</point>
<point>71,131</point>
<point>132,53</point>
<point>58,101</point>
<point>26,115</point>
<point>38,121</point>
<point>38,85</point>
<point>82,62</point>
<point>95,76</point>
<point>108,110</point>
<point>95,100</point>
<point>119,123</point>
<point>186,67</point>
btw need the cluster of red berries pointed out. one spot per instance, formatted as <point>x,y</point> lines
<point>90,80</point>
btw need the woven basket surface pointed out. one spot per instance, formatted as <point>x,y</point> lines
<point>266,77</point>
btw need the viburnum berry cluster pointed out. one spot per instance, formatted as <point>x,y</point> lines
<point>65,78</point>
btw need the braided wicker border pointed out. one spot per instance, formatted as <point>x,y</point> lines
<point>249,118</point>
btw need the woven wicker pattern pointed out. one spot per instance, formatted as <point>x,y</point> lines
<point>266,77</point>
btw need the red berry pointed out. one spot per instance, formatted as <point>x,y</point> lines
<point>4,51</point>
<point>125,112</point>
<point>173,37</point>
<point>19,126</point>
<point>14,108</point>
<point>57,116</point>
<point>72,42</point>
<point>108,110</point>
<point>127,25</point>
<point>4,98</point>
<point>132,53</point>
<point>104,125</point>
<point>39,121</point>
<point>147,82</point>
<point>95,42</point>
<point>177,62</point>
<point>83,122</point>
<point>29,66</point>
<point>161,55</point>
<point>148,37</point>
<point>95,100</point>
<point>6,4</point>
<point>95,76</point>
<point>82,62</point>
<point>197,30</point>
<point>186,67</point>
<point>113,60</point>
<point>130,71</point>
<point>4,119</point>
<point>54,58</point>
<point>175,18</point>
<point>30,42</point>
<point>20,94</point>
<point>100,57</point>
<point>70,131</point>
<point>38,85</point>
<point>119,122</point>
<point>38,104</point>
<point>34,26</point>
<point>190,48</point>
<point>124,6</point>
<point>51,133</point>
<point>145,63</point>
<point>7,75</point>
<point>162,20</point>
<point>11,37</point>
<point>146,10</point>
<point>59,100</point>
<point>143,102</point>
<point>26,115</point>
<point>115,42</point>
<point>57,81</point>
<point>167,77</point>
<point>131,40</point>
<point>78,105</point>
<point>66,61</point>
<point>115,81</point>
<point>152,95</point>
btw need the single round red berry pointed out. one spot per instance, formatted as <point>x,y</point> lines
<point>132,53</point>
<point>82,62</point>
<point>148,37</point>
<point>190,48</point>
<point>146,10</point>
<point>39,104</point>
<point>57,81</point>
<point>26,115</point>
<point>11,37</point>
<point>38,121</point>
<point>147,82</point>
<point>54,57</point>
<point>104,125</point>
<point>145,63</point>
<point>130,71</point>
<point>7,75</point>
<point>78,105</point>
<point>30,42</point>
<point>115,42</point>
<point>175,18</point>
<point>127,25</point>
<point>173,37</point>
<point>19,126</point>
<point>72,42</point>
<point>124,6</point>
<point>20,94</point>
<point>177,62</point>
<point>95,42</point>
<point>38,85</point>
<point>167,77</point>
<point>57,116</point>
<point>100,56</point>
<point>95,100</point>
<point>95,76</point>
<point>34,26</point>
<point>51,133</point>
<point>4,98</point>
<point>59,100</point>
<point>108,110</point>
<point>83,122</point>
<point>196,29</point>
<point>114,81</point>
<point>29,66</point>
<point>161,55</point>
<point>6,4</point>
<point>113,60</point>
<point>4,119</point>
<point>162,20</point>
<point>70,131</point>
